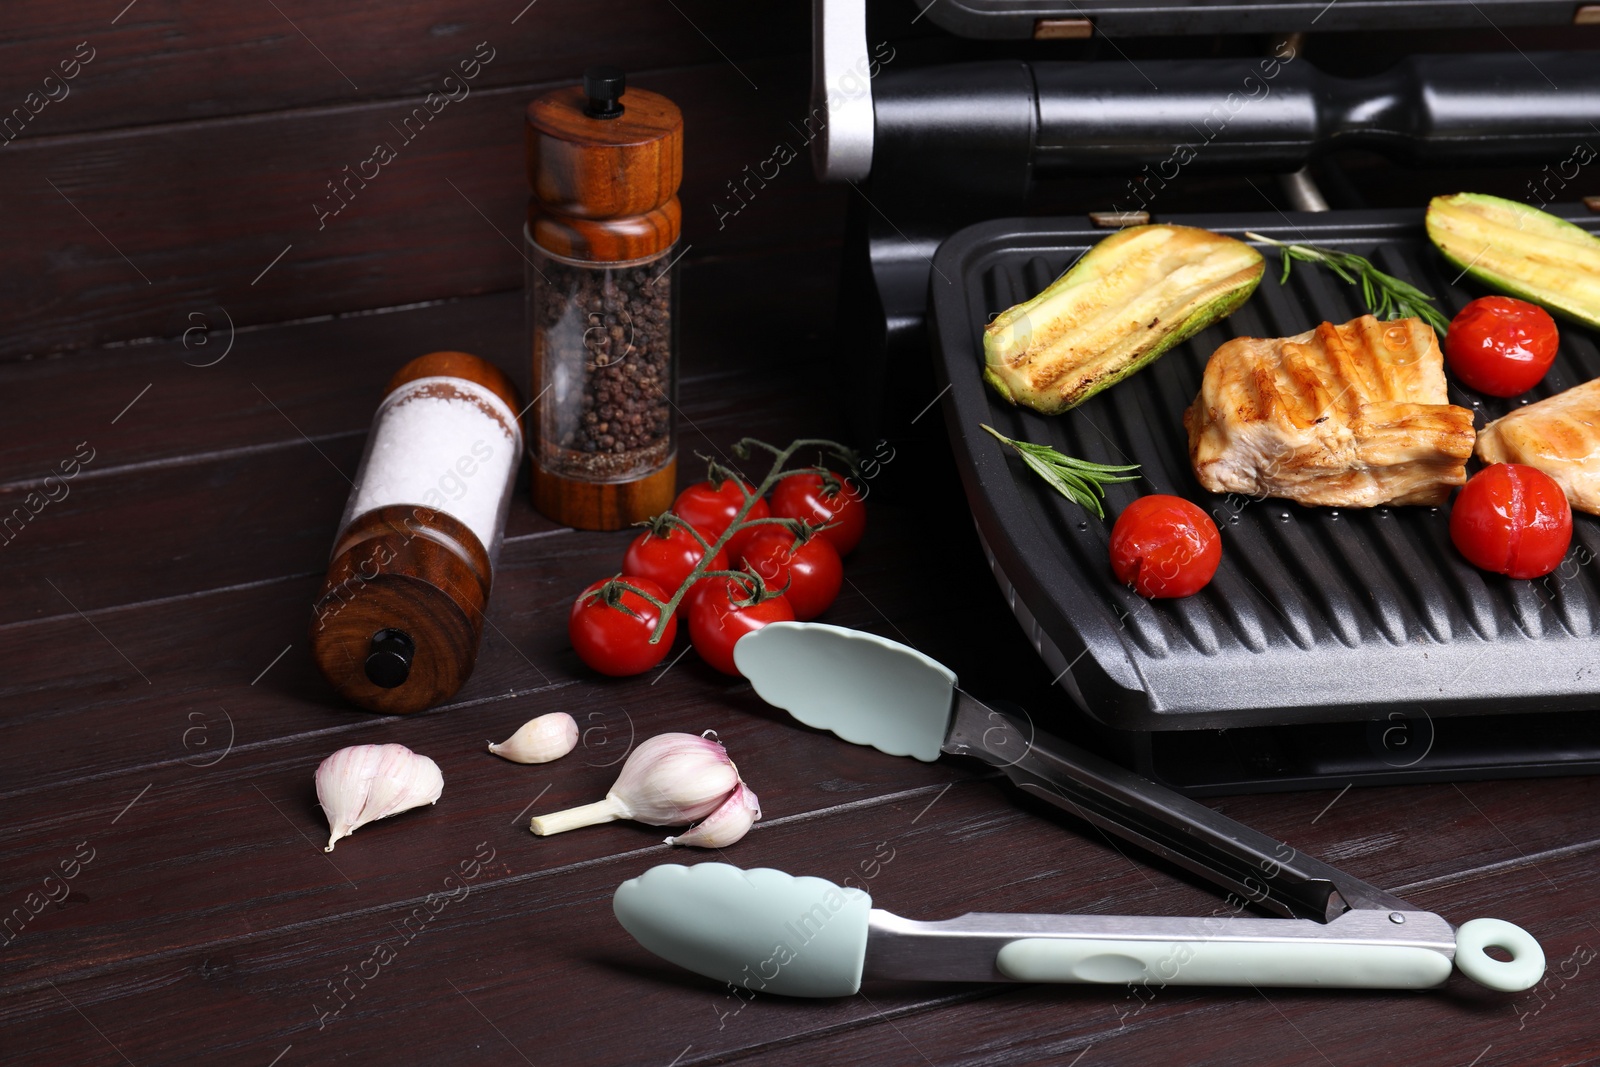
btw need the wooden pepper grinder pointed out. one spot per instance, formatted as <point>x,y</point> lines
<point>603,223</point>
<point>397,624</point>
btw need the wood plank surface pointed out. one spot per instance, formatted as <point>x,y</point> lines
<point>157,733</point>
<point>159,230</point>
<point>210,391</point>
<point>165,61</point>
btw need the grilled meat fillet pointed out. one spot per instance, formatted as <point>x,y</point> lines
<point>1344,416</point>
<point>1560,435</point>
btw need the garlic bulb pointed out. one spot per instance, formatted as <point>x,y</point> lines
<point>669,780</point>
<point>540,740</point>
<point>727,824</point>
<point>364,783</point>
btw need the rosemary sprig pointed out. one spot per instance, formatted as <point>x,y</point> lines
<point>1078,480</point>
<point>1387,297</point>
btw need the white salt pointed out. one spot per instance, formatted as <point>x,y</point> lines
<point>442,443</point>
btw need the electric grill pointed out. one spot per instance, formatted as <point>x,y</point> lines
<point>1335,645</point>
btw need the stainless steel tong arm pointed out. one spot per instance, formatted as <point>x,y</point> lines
<point>1253,867</point>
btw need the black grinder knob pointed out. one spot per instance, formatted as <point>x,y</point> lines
<point>604,87</point>
<point>389,659</point>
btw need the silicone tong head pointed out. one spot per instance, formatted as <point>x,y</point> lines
<point>874,692</point>
<point>762,929</point>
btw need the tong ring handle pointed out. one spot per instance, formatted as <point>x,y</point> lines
<point>1522,971</point>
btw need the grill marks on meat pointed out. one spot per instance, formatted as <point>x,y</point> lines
<point>1345,416</point>
<point>1560,435</point>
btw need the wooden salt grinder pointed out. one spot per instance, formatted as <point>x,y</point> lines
<point>397,624</point>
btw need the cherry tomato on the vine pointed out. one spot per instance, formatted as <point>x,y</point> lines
<point>1164,546</point>
<point>711,511</point>
<point>716,623</point>
<point>805,497</point>
<point>1500,345</point>
<point>609,639</point>
<point>666,557</point>
<point>808,571</point>
<point>1512,519</point>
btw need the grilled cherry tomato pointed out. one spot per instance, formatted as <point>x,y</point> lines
<point>805,497</point>
<point>1164,547</point>
<point>711,511</point>
<point>1500,345</point>
<point>609,639</point>
<point>665,554</point>
<point>716,622</point>
<point>806,568</point>
<point>1512,519</point>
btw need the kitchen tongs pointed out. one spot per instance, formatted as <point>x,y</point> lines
<point>1336,930</point>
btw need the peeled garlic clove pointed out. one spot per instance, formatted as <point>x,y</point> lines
<point>727,824</point>
<point>669,780</point>
<point>540,740</point>
<point>364,783</point>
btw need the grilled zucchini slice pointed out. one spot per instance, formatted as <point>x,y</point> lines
<point>1521,251</point>
<point>1129,299</point>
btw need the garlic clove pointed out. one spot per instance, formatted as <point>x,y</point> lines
<point>727,824</point>
<point>672,779</point>
<point>364,783</point>
<point>540,740</point>
<point>669,780</point>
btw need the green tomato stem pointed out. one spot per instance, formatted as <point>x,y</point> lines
<point>741,519</point>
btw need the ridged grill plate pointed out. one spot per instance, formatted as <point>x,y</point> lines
<point>1316,614</point>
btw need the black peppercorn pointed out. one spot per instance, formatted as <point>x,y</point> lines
<point>612,328</point>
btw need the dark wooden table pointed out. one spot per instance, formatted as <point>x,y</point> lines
<point>161,856</point>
